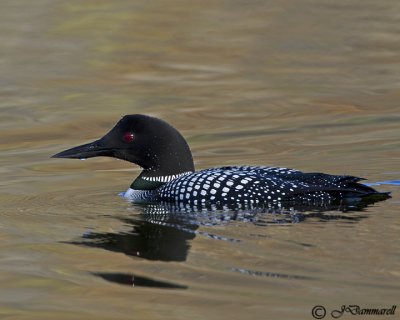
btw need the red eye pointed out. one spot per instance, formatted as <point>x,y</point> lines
<point>128,137</point>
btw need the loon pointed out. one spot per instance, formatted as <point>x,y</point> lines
<point>169,175</point>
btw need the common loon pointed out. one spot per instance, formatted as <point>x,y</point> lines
<point>169,176</point>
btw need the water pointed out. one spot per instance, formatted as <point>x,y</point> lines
<point>309,85</point>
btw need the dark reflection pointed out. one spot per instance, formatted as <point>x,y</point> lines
<point>153,237</point>
<point>164,231</point>
<point>136,281</point>
<point>270,274</point>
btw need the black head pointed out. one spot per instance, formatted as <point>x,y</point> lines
<point>149,142</point>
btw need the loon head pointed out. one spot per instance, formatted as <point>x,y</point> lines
<point>149,142</point>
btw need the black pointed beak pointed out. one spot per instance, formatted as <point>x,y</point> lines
<point>94,149</point>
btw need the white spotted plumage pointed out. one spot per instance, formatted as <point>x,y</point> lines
<point>169,173</point>
<point>243,184</point>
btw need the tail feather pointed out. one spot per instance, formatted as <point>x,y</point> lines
<point>341,186</point>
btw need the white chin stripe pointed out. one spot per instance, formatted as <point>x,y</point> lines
<point>166,178</point>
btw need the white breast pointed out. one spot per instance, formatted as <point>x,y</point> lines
<point>138,195</point>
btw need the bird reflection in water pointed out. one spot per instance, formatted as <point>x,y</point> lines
<point>164,231</point>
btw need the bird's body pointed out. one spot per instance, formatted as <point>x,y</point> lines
<point>168,172</point>
<point>249,184</point>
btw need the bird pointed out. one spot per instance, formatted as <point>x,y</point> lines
<point>168,174</point>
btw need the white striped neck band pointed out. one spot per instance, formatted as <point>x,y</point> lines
<point>166,178</point>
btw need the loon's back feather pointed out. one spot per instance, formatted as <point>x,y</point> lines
<point>316,181</point>
<point>260,184</point>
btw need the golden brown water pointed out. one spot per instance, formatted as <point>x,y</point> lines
<point>311,85</point>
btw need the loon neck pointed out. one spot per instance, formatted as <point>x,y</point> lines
<point>148,180</point>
